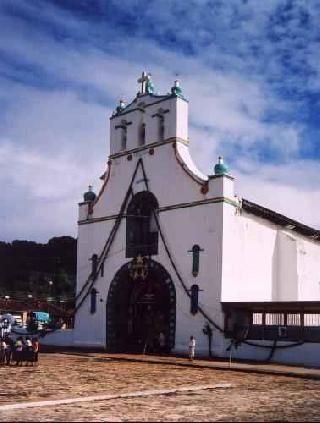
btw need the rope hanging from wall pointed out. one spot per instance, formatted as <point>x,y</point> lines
<point>200,309</point>
<point>105,252</point>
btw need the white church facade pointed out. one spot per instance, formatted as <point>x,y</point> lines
<point>163,248</point>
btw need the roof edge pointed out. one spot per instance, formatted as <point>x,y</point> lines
<point>280,219</point>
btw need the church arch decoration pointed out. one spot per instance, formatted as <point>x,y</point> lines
<point>139,309</point>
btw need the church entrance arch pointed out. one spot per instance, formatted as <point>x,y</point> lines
<point>141,305</point>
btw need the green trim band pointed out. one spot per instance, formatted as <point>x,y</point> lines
<point>147,146</point>
<point>166,97</point>
<point>168,208</point>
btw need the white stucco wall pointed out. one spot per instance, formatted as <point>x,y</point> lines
<point>248,247</point>
<point>171,185</point>
<point>285,268</point>
<point>244,258</point>
<point>308,270</point>
<point>264,262</point>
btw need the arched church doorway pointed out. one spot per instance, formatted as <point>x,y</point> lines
<point>141,305</point>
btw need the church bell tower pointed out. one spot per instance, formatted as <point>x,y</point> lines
<point>150,118</point>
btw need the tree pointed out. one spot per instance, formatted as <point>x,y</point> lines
<point>26,267</point>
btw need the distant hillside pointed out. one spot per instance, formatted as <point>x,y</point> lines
<point>41,270</point>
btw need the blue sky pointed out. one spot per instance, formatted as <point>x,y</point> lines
<point>250,69</point>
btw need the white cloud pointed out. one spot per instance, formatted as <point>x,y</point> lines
<point>40,191</point>
<point>55,133</point>
<point>294,201</point>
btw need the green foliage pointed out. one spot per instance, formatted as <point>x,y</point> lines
<point>26,267</point>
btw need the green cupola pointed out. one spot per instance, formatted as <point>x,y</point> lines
<point>149,85</point>
<point>221,168</point>
<point>176,89</point>
<point>89,196</point>
<point>121,106</point>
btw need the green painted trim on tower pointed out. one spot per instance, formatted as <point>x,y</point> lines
<point>220,176</point>
<point>200,203</point>
<point>163,98</point>
<point>147,146</point>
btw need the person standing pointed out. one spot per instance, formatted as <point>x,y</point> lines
<point>192,347</point>
<point>9,349</point>
<point>19,351</point>
<point>28,351</point>
<point>3,347</point>
<point>35,347</point>
<point>162,342</point>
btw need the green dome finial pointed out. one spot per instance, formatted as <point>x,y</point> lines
<point>221,168</point>
<point>122,106</point>
<point>149,85</point>
<point>89,195</point>
<point>176,89</point>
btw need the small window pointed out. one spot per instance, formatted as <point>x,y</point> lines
<point>124,139</point>
<point>274,319</point>
<point>123,127</point>
<point>161,128</point>
<point>194,299</point>
<point>196,250</point>
<point>94,264</point>
<point>123,134</point>
<point>195,259</point>
<point>257,318</point>
<point>142,134</point>
<point>93,301</point>
<point>311,319</point>
<point>293,319</point>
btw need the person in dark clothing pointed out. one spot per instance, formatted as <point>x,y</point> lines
<point>3,347</point>
<point>35,349</point>
<point>18,351</point>
<point>28,351</point>
<point>9,350</point>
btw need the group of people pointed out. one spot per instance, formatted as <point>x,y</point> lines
<point>22,350</point>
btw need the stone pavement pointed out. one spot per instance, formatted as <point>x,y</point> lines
<point>95,386</point>
<point>217,364</point>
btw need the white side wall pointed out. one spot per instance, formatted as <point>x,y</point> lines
<point>263,262</point>
<point>285,268</point>
<point>308,270</point>
<point>248,247</point>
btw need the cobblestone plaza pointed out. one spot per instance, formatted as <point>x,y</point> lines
<point>242,396</point>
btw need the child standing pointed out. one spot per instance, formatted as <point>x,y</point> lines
<point>192,347</point>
